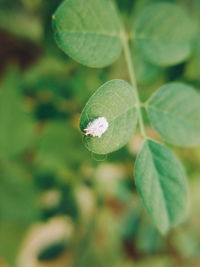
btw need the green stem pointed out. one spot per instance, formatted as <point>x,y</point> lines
<point>129,62</point>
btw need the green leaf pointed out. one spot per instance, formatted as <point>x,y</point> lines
<point>145,72</point>
<point>18,208</point>
<point>60,146</point>
<point>116,101</point>
<point>174,111</point>
<point>16,125</point>
<point>162,184</point>
<point>88,31</point>
<point>164,34</point>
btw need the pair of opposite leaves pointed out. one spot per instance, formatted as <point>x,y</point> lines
<point>90,32</point>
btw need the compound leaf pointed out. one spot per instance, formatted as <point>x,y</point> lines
<point>116,101</point>
<point>162,184</point>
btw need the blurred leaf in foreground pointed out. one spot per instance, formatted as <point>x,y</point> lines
<point>18,208</point>
<point>16,125</point>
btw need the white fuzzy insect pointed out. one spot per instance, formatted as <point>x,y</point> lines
<point>97,127</point>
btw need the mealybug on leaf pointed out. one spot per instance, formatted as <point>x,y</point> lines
<point>97,127</point>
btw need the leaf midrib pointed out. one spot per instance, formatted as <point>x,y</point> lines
<point>133,107</point>
<point>109,34</point>
<point>159,182</point>
<point>152,38</point>
<point>172,115</point>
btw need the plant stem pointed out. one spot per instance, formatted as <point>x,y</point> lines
<point>130,67</point>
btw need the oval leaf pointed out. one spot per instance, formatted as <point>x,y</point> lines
<point>174,111</point>
<point>116,101</point>
<point>88,31</point>
<point>164,34</point>
<point>162,185</point>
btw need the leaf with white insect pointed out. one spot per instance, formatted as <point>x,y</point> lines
<point>97,127</point>
<point>115,101</point>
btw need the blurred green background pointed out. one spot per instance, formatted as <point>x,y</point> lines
<point>61,205</point>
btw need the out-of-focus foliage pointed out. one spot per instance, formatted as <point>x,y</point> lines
<point>168,39</point>
<point>61,205</point>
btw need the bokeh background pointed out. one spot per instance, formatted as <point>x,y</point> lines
<point>61,205</point>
